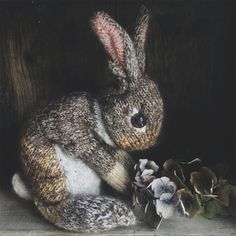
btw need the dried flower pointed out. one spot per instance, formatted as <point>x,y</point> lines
<point>145,170</point>
<point>173,194</point>
<point>167,207</point>
<point>163,188</point>
<point>167,200</point>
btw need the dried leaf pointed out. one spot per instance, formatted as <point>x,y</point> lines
<point>221,169</point>
<point>174,171</point>
<point>181,211</point>
<point>141,199</point>
<point>147,194</point>
<point>232,207</point>
<point>203,181</point>
<point>210,207</point>
<point>170,166</point>
<point>232,204</point>
<point>190,201</point>
<point>190,166</point>
<point>151,216</point>
<point>225,191</point>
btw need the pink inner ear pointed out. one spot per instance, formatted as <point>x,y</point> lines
<point>110,36</point>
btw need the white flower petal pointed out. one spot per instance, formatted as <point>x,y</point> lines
<point>164,210</point>
<point>146,178</point>
<point>147,172</point>
<point>166,196</point>
<point>142,164</point>
<point>153,165</point>
<point>156,183</point>
<point>138,179</point>
<point>157,187</point>
<point>165,180</point>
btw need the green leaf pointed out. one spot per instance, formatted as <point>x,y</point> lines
<point>190,201</point>
<point>203,181</point>
<point>151,216</point>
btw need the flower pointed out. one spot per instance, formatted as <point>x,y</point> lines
<point>145,170</point>
<point>146,164</point>
<point>167,200</point>
<point>167,207</point>
<point>163,188</point>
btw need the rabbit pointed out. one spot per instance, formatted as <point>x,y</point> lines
<point>71,145</point>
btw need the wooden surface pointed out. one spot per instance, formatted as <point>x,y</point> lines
<point>18,217</point>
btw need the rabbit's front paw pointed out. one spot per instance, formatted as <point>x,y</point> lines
<point>124,158</point>
<point>119,178</point>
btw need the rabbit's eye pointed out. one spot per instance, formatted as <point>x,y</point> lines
<point>138,120</point>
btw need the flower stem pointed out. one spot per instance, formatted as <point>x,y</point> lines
<point>181,181</point>
<point>159,223</point>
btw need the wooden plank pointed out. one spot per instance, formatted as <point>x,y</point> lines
<point>18,217</point>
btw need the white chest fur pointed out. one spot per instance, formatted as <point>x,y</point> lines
<point>80,179</point>
<point>100,129</point>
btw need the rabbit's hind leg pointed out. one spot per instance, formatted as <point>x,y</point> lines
<point>43,172</point>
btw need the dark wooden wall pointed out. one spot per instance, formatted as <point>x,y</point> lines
<point>47,49</point>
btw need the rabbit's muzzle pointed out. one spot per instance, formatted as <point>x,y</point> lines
<point>138,141</point>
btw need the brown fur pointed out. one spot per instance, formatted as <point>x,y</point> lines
<point>73,121</point>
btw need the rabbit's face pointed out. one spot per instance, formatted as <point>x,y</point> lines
<point>132,115</point>
<point>134,119</point>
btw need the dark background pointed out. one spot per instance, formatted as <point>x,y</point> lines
<point>47,49</point>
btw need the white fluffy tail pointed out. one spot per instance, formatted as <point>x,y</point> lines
<point>20,188</point>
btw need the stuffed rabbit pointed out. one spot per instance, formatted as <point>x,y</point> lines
<point>72,144</point>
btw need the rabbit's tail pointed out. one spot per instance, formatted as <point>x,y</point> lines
<point>88,213</point>
<point>81,213</point>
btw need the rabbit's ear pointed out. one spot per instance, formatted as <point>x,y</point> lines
<point>140,37</point>
<point>118,44</point>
